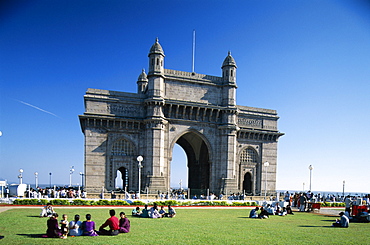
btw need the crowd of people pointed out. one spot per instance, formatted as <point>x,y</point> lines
<point>111,227</point>
<point>57,192</point>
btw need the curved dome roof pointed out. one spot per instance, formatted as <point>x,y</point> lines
<point>229,61</point>
<point>142,76</point>
<point>156,48</point>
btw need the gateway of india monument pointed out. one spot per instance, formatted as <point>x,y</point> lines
<point>229,148</point>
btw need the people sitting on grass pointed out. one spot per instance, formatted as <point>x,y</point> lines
<point>53,230</point>
<point>47,211</point>
<point>112,223</point>
<point>74,226</point>
<point>277,208</point>
<point>146,212</point>
<point>124,223</point>
<point>289,209</point>
<point>171,212</point>
<point>136,212</point>
<point>162,212</point>
<point>342,222</point>
<point>283,212</point>
<point>263,213</point>
<point>254,213</point>
<point>88,227</point>
<point>270,210</point>
<point>154,214</point>
<point>64,226</point>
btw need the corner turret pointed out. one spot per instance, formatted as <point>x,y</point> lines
<point>229,70</point>
<point>156,59</point>
<point>142,82</point>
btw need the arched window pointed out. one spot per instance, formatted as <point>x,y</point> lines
<point>249,156</point>
<point>122,148</point>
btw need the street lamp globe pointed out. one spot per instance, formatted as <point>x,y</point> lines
<point>140,158</point>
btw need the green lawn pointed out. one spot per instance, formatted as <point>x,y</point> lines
<point>190,226</point>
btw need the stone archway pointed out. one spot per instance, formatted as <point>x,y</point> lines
<point>125,178</point>
<point>198,163</point>
<point>247,183</point>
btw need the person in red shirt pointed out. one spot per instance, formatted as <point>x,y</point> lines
<point>113,224</point>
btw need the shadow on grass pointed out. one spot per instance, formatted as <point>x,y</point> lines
<point>243,217</point>
<point>32,235</point>
<point>316,226</point>
<point>33,216</point>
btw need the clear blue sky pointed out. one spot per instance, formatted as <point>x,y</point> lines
<point>309,60</point>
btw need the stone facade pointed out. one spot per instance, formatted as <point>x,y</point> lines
<point>226,144</point>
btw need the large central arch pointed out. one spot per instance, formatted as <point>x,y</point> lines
<point>198,158</point>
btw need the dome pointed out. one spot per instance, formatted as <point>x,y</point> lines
<point>142,76</point>
<point>229,61</point>
<point>156,48</point>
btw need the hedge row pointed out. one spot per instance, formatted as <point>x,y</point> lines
<point>68,202</point>
<point>106,202</point>
<point>332,204</point>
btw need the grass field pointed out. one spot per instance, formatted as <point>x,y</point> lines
<point>190,226</point>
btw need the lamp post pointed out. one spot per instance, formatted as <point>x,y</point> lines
<point>82,179</point>
<point>36,179</point>
<point>70,175</point>
<point>20,176</point>
<point>310,168</point>
<point>139,159</point>
<point>50,179</point>
<point>266,164</point>
<point>344,182</point>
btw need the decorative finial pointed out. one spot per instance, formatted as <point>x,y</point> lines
<point>156,39</point>
<point>229,53</point>
<point>143,70</point>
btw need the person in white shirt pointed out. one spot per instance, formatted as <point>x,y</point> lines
<point>74,226</point>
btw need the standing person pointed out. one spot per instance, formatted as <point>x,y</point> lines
<point>53,227</point>
<point>342,222</point>
<point>113,224</point>
<point>302,203</point>
<point>74,226</point>
<point>124,223</point>
<point>88,227</point>
<point>64,226</point>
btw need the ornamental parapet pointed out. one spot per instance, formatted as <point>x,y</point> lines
<point>258,135</point>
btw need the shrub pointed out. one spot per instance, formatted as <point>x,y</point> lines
<point>138,203</point>
<point>60,202</point>
<point>81,202</point>
<point>103,202</point>
<point>119,203</point>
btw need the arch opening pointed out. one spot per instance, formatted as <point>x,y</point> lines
<point>198,163</point>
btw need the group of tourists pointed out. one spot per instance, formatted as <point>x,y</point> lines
<point>59,192</point>
<point>265,211</point>
<point>112,226</point>
<point>153,212</point>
